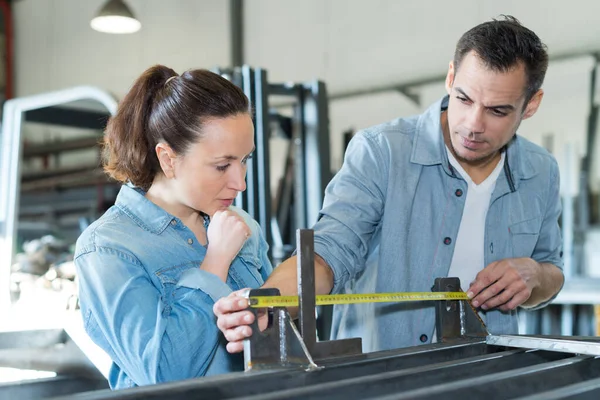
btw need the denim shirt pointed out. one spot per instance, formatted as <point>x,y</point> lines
<point>146,302</point>
<point>391,216</point>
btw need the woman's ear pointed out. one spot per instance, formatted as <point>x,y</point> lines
<point>166,157</point>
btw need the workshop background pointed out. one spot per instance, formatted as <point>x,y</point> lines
<point>319,69</point>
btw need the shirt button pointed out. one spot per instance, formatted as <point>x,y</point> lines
<point>423,338</point>
<point>190,241</point>
<point>447,240</point>
<point>173,222</point>
<point>458,193</point>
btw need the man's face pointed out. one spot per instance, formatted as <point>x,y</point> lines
<point>485,108</point>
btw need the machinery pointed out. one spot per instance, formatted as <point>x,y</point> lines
<point>284,362</point>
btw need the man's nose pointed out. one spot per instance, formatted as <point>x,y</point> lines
<point>475,120</point>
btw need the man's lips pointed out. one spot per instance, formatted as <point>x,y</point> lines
<point>471,144</point>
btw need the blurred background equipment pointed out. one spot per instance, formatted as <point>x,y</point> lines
<point>346,70</point>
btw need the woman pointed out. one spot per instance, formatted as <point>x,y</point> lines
<point>151,268</point>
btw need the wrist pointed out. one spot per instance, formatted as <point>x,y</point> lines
<point>537,274</point>
<point>216,264</point>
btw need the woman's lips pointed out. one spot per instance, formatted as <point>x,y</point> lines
<point>226,202</point>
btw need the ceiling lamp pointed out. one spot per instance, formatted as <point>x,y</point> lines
<point>115,17</point>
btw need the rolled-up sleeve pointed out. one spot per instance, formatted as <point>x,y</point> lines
<point>353,207</point>
<point>152,337</point>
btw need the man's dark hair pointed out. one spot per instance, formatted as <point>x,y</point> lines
<point>502,44</point>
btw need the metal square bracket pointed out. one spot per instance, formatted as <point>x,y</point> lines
<point>455,319</point>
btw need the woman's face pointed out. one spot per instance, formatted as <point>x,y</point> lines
<point>212,172</point>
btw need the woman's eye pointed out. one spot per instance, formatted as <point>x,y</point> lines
<point>245,160</point>
<point>222,168</point>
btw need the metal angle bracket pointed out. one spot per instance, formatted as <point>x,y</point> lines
<point>279,344</point>
<point>455,319</point>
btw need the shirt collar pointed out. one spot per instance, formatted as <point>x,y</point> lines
<point>133,202</point>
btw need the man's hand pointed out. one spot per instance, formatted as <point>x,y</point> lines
<point>234,318</point>
<point>506,284</point>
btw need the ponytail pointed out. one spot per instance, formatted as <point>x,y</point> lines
<point>129,154</point>
<point>162,106</point>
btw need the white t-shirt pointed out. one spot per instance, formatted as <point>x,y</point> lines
<point>467,259</point>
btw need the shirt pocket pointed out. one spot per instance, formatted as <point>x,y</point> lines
<point>169,277</point>
<point>524,236</point>
<point>245,270</point>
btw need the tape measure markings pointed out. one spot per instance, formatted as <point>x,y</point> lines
<point>329,299</point>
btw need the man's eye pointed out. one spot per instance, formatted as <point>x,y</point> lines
<point>222,168</point>
<point>498,113</point>
<point>462,99</point>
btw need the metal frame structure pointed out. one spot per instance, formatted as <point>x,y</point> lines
<point>10,160</point>
<point>468,362</point>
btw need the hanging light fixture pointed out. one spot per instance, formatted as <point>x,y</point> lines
<point>115,17</point>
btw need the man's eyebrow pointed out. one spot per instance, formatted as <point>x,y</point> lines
<point>506,107</point>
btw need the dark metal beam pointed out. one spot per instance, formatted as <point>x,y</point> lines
<point>404,378</point>
<point>50,387</point>
<point>65,116</point>
<point>59,146</point>
<point>236,25</point>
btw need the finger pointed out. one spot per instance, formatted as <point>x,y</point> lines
<point>233,320</point>
<point>235,347</point>
<point>516,301</point>
<point>500,299</point>
<point>242,293</point>
<point>228,305</point>
<point>217,215</point>
<point>238,334</point>
<point>491,291</point>
<point>484,279</point>
<point>512,287</point>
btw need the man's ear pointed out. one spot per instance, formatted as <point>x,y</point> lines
<point>450,77</point>
<point>533,104</point>
<point>166,157</point>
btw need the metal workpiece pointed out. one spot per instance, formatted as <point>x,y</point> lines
<point>283,362</point>
<point>585,346</point>
<point>455,318</point>
<point>471,369</point>
<point>306,312</point>
<point>279,345</point>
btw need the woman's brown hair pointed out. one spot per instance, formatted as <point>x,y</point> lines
<point>162,106</point>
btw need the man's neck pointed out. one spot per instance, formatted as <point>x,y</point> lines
<point>478,171</point>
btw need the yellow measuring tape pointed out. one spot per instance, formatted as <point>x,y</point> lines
<point>328,299</point>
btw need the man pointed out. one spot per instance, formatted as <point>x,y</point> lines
<point>451,192</point>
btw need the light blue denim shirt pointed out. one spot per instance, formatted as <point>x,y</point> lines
<point>145,300</point>
<point>391,215</point>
